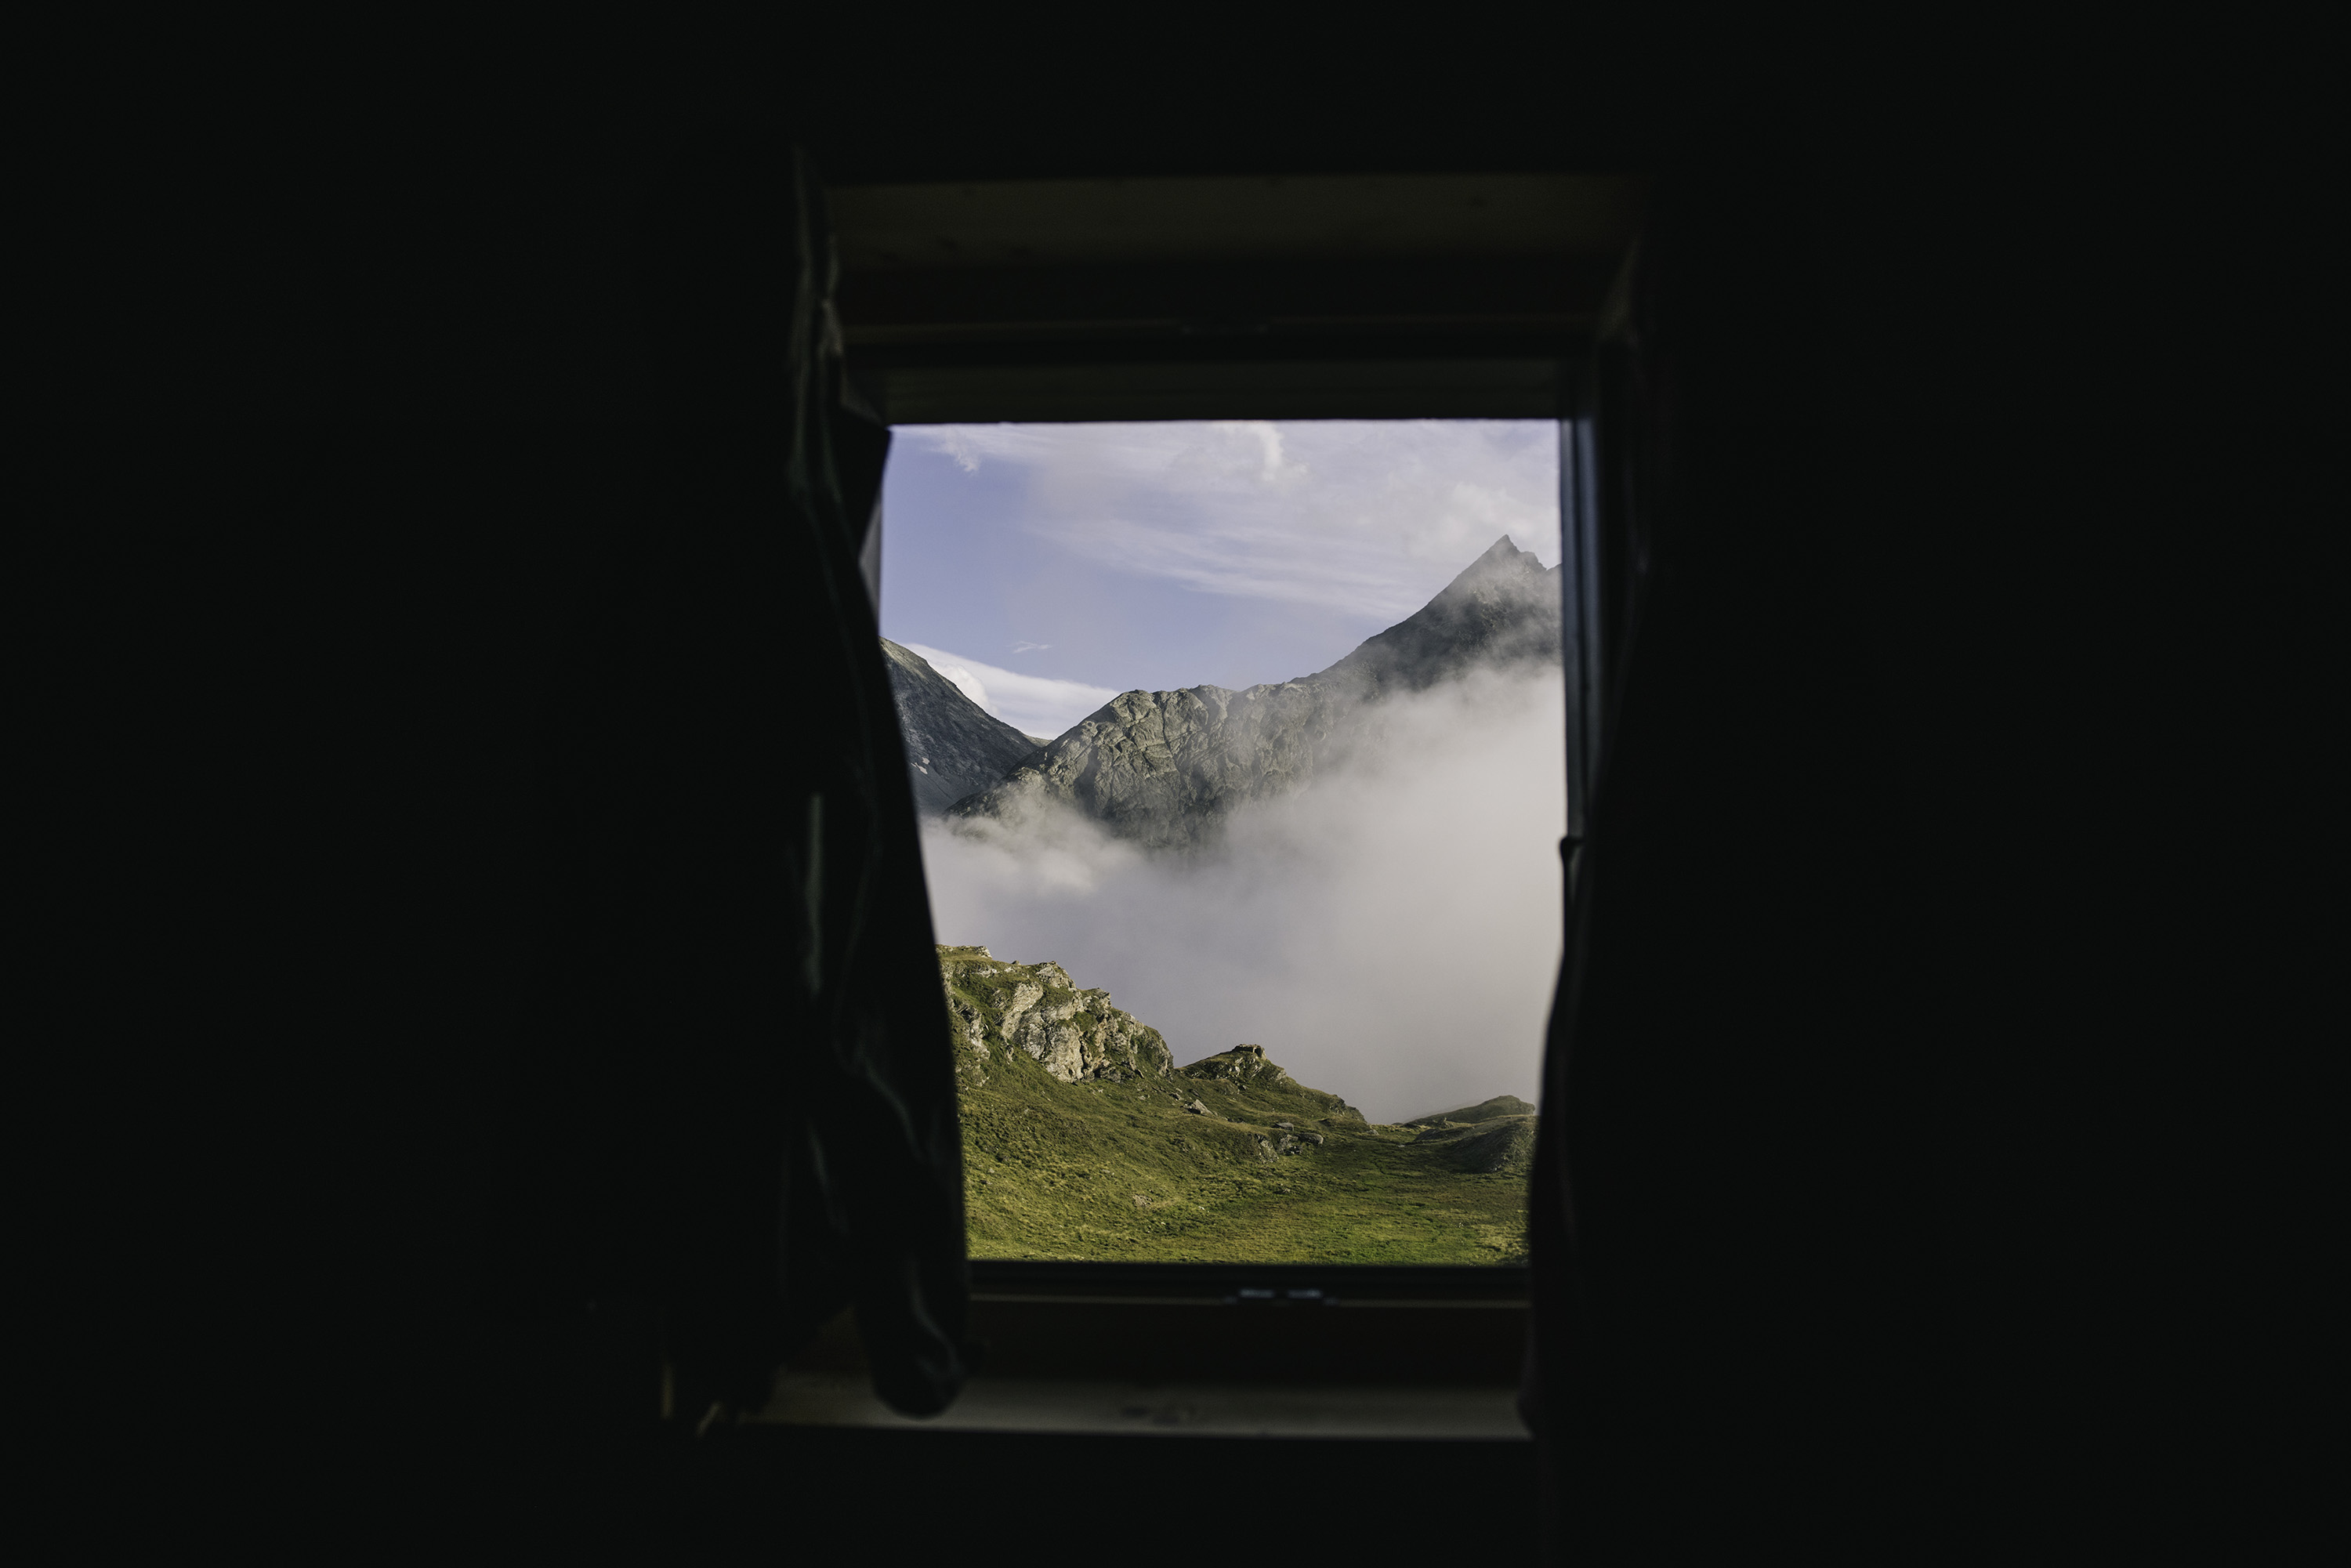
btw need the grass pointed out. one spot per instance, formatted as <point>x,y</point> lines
<point>1121,1171</point>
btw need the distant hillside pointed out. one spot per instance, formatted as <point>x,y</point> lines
<point>1162,768</point>
<point>1507,1144</point>
<point>1492,1136</point>
<point>953,745</point>
<point>1484,1110</point>
<point>1083,1139</point>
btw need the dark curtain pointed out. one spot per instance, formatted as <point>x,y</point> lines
<point>538,1027</point>
<point>743,973</point>
<point>623,949</point>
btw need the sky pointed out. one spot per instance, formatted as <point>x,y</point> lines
<point>1046,568</point>
<point>1389,935</point>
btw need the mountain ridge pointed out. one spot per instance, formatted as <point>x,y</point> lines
<point>1162,768</point>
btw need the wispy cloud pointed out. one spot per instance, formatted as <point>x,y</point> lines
<point>960,447</point>
<point>1033,704</point>
<point>1354,516</point>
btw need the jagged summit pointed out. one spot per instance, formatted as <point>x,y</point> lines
<point>1503,608</point>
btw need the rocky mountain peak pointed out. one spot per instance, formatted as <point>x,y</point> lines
<point>1501,609</point>
<point>1162,768</point>
<point>1502,555</point>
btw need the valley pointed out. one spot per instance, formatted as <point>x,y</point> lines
<point>1083,1139</point>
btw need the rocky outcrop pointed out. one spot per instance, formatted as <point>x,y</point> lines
<point>1036,1009</point>
<point>999,1010</point>
<point>1242,1064</point>
<point>953,745</point>
<point>1162,768</point>
<point>1247,1067</point>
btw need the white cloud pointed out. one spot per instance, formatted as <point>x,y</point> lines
<point>1390,933</point>
<point>1394,508</point>
<point>1033,704</point>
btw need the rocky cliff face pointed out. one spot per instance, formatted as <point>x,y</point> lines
<point>1037,1009</point>
<point>1162,768</point>
<point>953,745</point>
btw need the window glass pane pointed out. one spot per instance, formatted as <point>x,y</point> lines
<point>1240,750</point>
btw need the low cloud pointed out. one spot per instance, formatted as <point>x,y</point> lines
<point>1033,704</point>
<point>1389,934</point>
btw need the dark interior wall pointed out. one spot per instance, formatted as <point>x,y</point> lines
<point>1748,1337</point>
<point>1968,695</point>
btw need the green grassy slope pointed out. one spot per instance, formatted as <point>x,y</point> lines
<point>1227,1160</point>
<point>1486,1111</point>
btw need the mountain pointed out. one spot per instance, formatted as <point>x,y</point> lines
<point>953,745</point>
<point>1162,767</point>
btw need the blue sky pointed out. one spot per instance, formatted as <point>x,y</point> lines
<point>1047,567</point>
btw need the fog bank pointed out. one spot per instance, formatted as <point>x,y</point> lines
<point>1389,934</point>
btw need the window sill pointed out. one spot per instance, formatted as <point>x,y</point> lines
<point>842,1398</point>
<point>1090,1358</point>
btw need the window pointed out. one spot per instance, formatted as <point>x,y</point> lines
<point>1062,309</point>
<point>1241,749</point>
